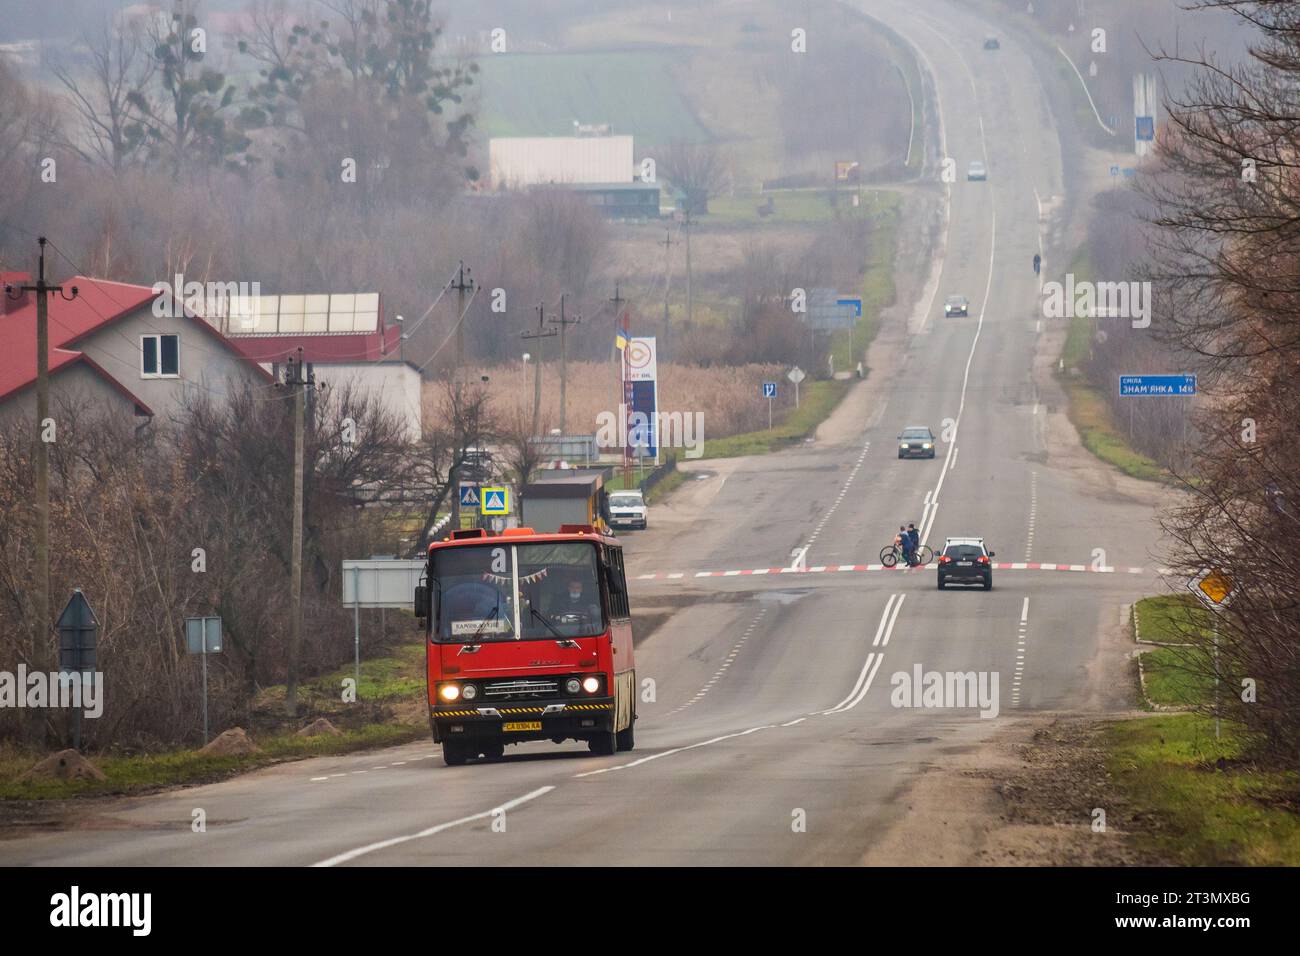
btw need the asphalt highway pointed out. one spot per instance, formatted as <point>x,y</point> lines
<point>773,736</point>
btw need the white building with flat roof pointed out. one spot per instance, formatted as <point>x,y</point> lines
<point>517,162</point>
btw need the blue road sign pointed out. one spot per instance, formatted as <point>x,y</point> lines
<point>1114,170</point>
<point>1145,127</point>
<point>851,301</point>
<point>1129,172</point>
<point>496,501</point>
<point>469,496</point>
<point>769,389</point>
<point>1157,385</point>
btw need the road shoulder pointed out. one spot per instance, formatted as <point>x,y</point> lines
<point>1029,795</point>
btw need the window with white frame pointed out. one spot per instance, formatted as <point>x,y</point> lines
<point>160,356</point>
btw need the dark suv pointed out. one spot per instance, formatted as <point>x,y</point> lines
<point>965,561</point>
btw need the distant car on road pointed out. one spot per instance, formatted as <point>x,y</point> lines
<point>627,509</point>
<point>916,441</point>
<point>976,172</point>
<point>479,466</point>
<point>956,305</point>
<point>991,43</point>
<point>965,561</point>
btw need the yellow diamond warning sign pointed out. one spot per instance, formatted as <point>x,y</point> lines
<point>1213,587</point>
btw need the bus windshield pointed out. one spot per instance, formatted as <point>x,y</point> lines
<point>503,592</point>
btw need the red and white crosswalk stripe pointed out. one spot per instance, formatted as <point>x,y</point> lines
<point>842,568</point>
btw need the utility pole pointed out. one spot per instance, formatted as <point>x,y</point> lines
<point>295,379</point>
<point>462,284</point>
<point>41,626</point>
<point>620,316</point>
<point>690,302</point>
<point>541,333</point>
<point>563,323</point>
<point>668,243</point>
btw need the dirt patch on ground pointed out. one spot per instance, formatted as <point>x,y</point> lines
<point>320,726</point>
<point>231,743</point>
<point>1031,795</point>
<point>64,765</point>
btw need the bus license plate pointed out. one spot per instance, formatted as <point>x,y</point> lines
<point>523,725</point>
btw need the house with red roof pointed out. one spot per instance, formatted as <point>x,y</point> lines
<point>110,350</point>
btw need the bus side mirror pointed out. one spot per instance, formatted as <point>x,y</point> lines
<point>421,602</point>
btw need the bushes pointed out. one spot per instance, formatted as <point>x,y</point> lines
<point>186,520</point>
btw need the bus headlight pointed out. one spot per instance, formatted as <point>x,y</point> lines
<point>572,685</point>
<point>469,692</point>
<point>591,684</point>
<point>449,692</point>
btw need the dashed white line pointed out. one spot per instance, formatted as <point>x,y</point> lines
<point>735,650</point>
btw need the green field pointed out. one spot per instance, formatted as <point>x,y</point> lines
<point>1176,676</point>
<point>1201,803</point>
<point>542,94</point>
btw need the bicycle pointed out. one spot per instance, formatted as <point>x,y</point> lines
<point>891,554</point>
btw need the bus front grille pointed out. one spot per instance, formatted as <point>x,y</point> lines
<point>511,689</point>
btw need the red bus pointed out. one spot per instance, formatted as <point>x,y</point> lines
<point>528,636</point>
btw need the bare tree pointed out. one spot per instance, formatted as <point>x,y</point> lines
<point>110,130</point>
<point>464,421</point>
<point>698,169</point>
<point>1226,191</point>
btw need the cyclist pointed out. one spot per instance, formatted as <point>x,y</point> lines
<point>903,543</point>
<point>914,542</point>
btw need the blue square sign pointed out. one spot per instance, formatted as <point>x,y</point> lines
<point>769,389</point>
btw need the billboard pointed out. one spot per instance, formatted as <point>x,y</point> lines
<point>641,397</point>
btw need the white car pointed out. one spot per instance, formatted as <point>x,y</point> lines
<point>976,171</point>
<point>627,509</point>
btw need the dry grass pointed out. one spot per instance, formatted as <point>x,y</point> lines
<point>728,397</point>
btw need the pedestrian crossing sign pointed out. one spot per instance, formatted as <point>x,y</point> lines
<point>494,501</point>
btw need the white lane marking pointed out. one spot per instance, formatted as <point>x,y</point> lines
<point>803,556</point>
<point>675,750</point>
<point>431,831</point>
<point>953,464</point>
<point>725,663</point>
<point>1020,654</point>
<point>314,779</point>
<point>880,659</point>
<point>1086,91</point>
<point>965,380</point>
<point>797,720</point>
<point>1033,514</point>
<point>928,523</point>
<point>874,660</point>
